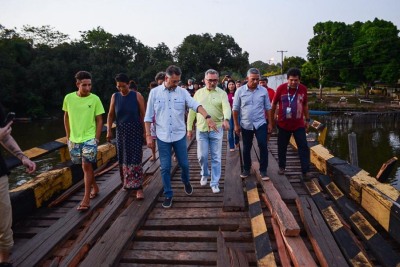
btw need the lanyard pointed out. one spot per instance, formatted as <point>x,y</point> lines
<point>291,98</point>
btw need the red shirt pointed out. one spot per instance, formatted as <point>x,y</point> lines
<point>271,94</point>
<point>299,100</point>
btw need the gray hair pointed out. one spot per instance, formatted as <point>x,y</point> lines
<point>211,71</point>
<point>173,70</point>
<point>253,71</point>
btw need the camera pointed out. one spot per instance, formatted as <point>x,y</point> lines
<point>10,117</point>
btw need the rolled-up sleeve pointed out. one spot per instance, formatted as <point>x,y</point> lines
<point>267,103</point>
<point>236,100</point>
<point>150,108</point>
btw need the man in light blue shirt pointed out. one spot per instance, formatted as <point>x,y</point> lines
<point>168,103</point>
<point>253,104</point>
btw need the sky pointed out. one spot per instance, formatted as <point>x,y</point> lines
<point>260,27</point>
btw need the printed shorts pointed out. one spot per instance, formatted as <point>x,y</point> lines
<point>83,152</point>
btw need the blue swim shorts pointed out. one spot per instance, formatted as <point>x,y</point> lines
<point>83,152</point>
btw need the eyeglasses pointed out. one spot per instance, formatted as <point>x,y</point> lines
<point>212,80</point>
<point>255,79</point>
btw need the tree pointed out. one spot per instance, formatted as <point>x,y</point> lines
<point>293,62</point>
<point>197,53</point>
<point>44,35</point>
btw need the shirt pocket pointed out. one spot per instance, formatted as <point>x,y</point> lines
<point>179,104</point>
<point>159,105</point>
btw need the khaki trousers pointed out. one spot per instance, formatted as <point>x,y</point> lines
<point>6,234</point>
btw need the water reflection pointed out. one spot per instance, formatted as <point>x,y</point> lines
<point>377,140</point>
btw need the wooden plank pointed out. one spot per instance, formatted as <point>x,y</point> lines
<point>181,235</point>
<point>375,242</point>
<point>222,252</point>
<point>386,169</point>
<point>194,214</point>
<point>350,247</point>
<point>233,186</point>
<point>298,251</point>
<point>96,229</point>
<point>278,208</point>
<point>208,223</point>
<point>325,247</point>
<point>37,248</point>
<point>283,253</point>
<point>264,253</point>
<point>108,250</point>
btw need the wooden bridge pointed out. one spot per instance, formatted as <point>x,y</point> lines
<point>281,222</point>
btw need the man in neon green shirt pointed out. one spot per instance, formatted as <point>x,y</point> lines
<point>215,101</point>
<point>83,123</point>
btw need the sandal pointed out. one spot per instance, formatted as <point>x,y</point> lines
<point>82,207</point>
<point>139,195</point>
<point>93,195</point>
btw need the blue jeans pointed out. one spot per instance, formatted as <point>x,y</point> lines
<point>302,146</point>
<point>233,138</point>
<point>261,135</point>
<point>165,155</point>
<point>210,141</point>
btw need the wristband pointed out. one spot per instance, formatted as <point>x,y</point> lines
<point>208,116</point>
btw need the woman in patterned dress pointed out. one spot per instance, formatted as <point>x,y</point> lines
<point>128,108</point>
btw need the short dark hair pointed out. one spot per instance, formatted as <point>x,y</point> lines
<point>82,75</point>
<point>153,84</point>
<point>295,72</point>
<point>263,78</point>
<point>173,70</point>
<point>122,77</point>
<point>160,76</point>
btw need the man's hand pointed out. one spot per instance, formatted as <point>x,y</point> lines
<point>30,165</point>
<point>5,131</point>
<point>149,141</point>
<point>225,125</point>
<point>237,130</point>
<point>189,134</point>
<point>212,125</point>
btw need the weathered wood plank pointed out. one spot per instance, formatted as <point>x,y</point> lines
<point>283,253</point>
<point>298,251</point>
<point>96,228</point>
<point>325,247</point>
<point>180,235</point>
<point>264,253</point>
<point>37,248</point>
<point>233,186</point>
<point>194,213</point>
<point>377,244</point>
<point>108,250</point>
<point>348,244</point>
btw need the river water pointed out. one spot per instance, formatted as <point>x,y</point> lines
<point>378,140</point>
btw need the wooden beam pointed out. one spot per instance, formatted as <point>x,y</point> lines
<point>348,244</point>
<point>264,253</point>
<point>386,169</point>
<point>233,185</point>
<point>325,247</point>
<point>282,251</point>
<point>376,243</point>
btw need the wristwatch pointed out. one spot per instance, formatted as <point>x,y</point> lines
<point>208,116</point>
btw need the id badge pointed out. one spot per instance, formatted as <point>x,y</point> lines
<point>288,112</point>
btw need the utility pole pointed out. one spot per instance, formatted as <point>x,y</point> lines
<point>281,51</point>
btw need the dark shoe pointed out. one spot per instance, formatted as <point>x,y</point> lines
<point>245,174</point>
<point>263,174</point>
<point>281,171</point>
<point>167,202</point>
<point>188,189</point>
<point>6,264</point>
<point>83,207</point>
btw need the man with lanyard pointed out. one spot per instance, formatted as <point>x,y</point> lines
<point>168,103</point>
<point>252,102</point>
<point>215,101</point>
<point>293,118</point>
<point>8,142</point>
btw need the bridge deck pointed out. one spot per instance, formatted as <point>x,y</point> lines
<point>199,230</point>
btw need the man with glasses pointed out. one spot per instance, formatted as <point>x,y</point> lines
<point>253,104</point>
<point>215,101</point>
<point>168,103</point>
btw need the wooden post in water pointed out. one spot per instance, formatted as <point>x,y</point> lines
<point>352,137</point>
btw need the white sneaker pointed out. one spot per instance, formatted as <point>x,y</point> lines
<point>215,189</point>
<point>203,180</point>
